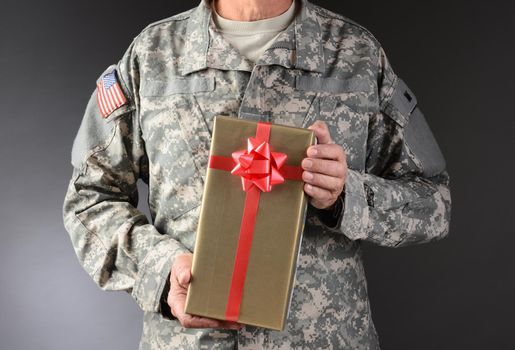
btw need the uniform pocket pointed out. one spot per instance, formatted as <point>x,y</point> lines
<point>176,98</point>
<point>343,104</point>
<point>177,143</point>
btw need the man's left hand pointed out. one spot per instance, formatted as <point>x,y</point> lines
<point>325,169</point>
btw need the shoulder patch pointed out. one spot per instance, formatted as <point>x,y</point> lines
<point>109,93</point>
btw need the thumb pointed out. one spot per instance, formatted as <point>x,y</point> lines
<point>321,132</point>
<point>184,275</point>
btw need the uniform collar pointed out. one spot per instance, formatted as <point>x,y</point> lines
<point>299,46</point>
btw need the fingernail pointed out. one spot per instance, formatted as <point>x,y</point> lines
<point>308,175</point>
<point>313,150</point>
<point>309,187</point>
<point>308,163</point>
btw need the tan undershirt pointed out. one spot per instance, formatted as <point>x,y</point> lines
<point>252,38</point>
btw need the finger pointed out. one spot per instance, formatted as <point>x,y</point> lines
<point>321,132</point>
<point>231,325</point>
<point>324,166</point>
<point>190,321</point>
<point>319,195</point>
<point>177,301</point>
<point>329,183</point>
<point>331,151</point>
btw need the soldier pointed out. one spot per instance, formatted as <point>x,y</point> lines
<point>376,175</point>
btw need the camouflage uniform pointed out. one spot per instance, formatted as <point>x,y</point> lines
<point>177,74</point>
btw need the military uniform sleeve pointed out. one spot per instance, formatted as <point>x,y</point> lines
<point>113,240</point>
<point>403,196</point>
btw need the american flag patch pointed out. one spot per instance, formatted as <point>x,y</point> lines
<point>109,94</point>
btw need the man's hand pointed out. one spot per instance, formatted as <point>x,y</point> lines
<point>179,280</point>
<point>325,169</point>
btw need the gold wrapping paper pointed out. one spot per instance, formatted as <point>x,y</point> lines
<point>277,232</point>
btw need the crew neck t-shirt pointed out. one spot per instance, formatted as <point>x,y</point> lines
<point>252,38</point>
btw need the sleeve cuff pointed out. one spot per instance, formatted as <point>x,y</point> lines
<point>164,308</point>
<point>356,214</point>
<point>153,275</point>
<point>331,218</point>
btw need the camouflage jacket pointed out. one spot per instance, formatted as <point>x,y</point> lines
<point>177,74</point>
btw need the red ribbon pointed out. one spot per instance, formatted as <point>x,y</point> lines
<point>259,169</point>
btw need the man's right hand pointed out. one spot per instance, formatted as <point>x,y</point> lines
<point>179,280</point>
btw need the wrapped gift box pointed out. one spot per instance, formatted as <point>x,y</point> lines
<point>251,222</point>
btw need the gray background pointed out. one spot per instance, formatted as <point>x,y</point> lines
<point>458,58</point>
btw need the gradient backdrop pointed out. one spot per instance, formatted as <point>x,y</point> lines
<point>457,57</point>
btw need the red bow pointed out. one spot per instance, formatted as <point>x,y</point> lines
<point>258,166</point>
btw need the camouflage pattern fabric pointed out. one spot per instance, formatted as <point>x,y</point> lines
<point>177,74</point>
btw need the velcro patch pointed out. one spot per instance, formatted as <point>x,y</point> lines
<point>404,99</point>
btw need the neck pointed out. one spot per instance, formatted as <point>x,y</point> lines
<point>251,10</point>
